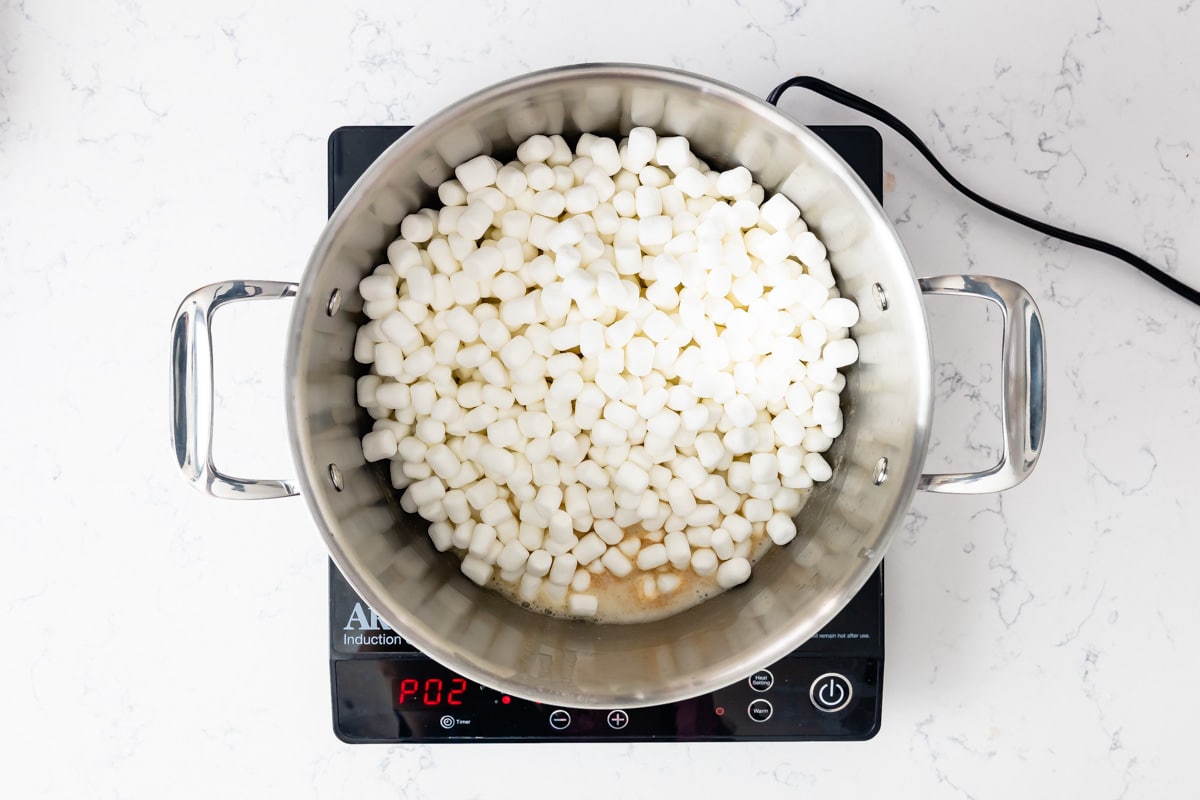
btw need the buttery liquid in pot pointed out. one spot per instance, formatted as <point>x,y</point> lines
<point>621,600</point>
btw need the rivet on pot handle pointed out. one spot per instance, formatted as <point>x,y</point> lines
<point>1023,401</point>
<point>192,389</point>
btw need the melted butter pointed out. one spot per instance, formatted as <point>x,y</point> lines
<point>621,601</point>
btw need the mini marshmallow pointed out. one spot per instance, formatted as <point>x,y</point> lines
<point>539,563</point>
<point>581,581</point>
<point>740,441</point>
<point>647,202</point>
<point>483,536</point>
<point>512,557</point>
<point>677,549</point>
<point>378,288</point>
<point>654,231</point>
<point>781,528</point>
<point>476,569</point>
<point>564,178</point>
<point>621,415</point>
<point>642,145</point>
<point>430,431</point>
<point>651,557</point>
<point>581,199</point>
<point>565,234</point>
<point>616,562</point>
<point>733,572</point>
<point>840,353</point>
<point>741,411</point>
<point>704,562</point>
<point>673,152</point>
<point>680,497</point>
<point>530,586</point>
<point>378,445</point>
<point>639,356</point>
<point>838,312</point>
<point>582,605</point>
<point>734,182</point>
<point>602,503</point>
<point>808,249</point>
<point>608,531</point>
<point>416,228</point>
<point>817,467</point>
<point>778,213</point>
<point>461,536</point>
<point>535,148</point>
<point>561,152</point>
<point>563,569</point>
<point>452,193</point>
<point>549,203</point>
<point>509,179</point>
<point>473,224</point>
<point>722,544</point>
<point>539,176</point>
<point>739,527</point>
<point>632,478</point>
<point>764,467</point>
<point>605,156</point>
<point>691,182</point>
<point>757,510</point>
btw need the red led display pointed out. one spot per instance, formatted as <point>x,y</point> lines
<point>431,692</point>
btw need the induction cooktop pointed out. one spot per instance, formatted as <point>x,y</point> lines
<point>386,691</point>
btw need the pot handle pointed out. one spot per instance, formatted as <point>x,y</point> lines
<point>1023,401</point>
<point>192,389</point>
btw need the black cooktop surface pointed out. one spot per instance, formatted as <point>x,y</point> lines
<point>384,690</point>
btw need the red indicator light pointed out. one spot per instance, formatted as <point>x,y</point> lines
<point>506,699</point>
<point>720,711</point>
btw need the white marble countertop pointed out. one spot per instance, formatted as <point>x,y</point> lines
<point>1041,643</point>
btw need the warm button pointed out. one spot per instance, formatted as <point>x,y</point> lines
<point>760,710</point>
<point>830,692</point>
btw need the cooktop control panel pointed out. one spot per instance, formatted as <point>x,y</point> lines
<point>386,691</point>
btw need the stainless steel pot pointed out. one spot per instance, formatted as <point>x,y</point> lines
<point>845,528</point>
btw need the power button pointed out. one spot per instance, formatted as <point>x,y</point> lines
<point>830,692</point>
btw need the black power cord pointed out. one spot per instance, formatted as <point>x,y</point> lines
<point>852,101</point>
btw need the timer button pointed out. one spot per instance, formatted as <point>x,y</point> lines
<point>830,692</point>
<point>761,680</point>
<point>559,719</point>
<point>760,710</point>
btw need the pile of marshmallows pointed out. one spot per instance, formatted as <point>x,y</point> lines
<point>613,360</point>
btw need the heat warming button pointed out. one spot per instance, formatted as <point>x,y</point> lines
<point>761,680</point>
<point>830,692</point>
<point>760,710</point>
<point>559,719</point>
